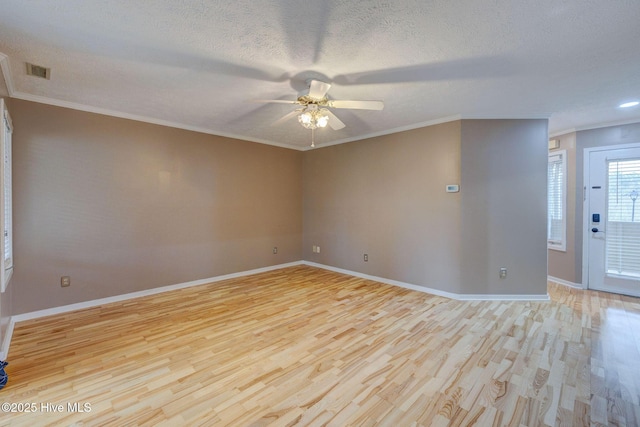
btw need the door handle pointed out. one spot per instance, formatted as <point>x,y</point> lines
<point>595,230</point>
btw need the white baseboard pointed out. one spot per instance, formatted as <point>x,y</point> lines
<point>147,292</point>
<point>383,280</point>
<point>616,290</point>
<point>4,350</point>
<point>565,282</point>
<point>437,292</point>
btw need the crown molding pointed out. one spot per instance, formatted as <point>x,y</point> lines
<point>426,124</point>
<point>6,73</point>
<point>114,113</point>
<point>562,132</point>
<point>138,118</point>
<point>387,132</point>
<point>538,116</point>
<point>13,93</point>
<point>596,126</point>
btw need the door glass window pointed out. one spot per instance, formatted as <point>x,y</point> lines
<point>623,218</point>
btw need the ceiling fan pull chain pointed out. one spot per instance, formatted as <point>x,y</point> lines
<point>313,133</point>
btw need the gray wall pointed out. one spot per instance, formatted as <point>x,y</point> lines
<point>122,206</point>
<point>504,217</point>
<point>386,197</point>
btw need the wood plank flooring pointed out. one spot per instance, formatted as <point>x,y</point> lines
<point>304,346</point>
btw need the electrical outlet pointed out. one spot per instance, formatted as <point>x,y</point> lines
<point>275,249</point>
<point>503,273</point>
<point>366,258</point>
<point>65,281</point>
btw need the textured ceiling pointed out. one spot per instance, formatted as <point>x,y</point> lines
<point>198,64</point>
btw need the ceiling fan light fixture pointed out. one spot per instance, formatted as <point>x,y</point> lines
<point>314,113</point>
<point>313,119</point>
<point>322,120</point>
<point>629,104</point>
<point>305,119</point>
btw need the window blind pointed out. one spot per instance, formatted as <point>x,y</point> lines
<point>5,197</point>
<point>556,188</point>
<point>8,207</point>
<point>623,218</point>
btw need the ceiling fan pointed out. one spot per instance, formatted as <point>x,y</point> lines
<point>315,112</point>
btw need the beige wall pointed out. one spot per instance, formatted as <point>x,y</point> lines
<point>386,197</point>
<point>562,265</point>
<point>123,206</point>
<point>504,217</point>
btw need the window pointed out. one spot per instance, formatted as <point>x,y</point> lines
<point>557,200</point>
<point>6,204</point>
<point>623,221</point>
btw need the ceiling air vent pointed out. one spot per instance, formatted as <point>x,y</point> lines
<point>38,71</point>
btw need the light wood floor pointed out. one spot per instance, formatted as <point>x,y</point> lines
<point>304,346</point>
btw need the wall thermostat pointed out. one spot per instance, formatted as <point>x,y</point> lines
<point>453,188</point>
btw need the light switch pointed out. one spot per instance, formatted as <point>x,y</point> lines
<point>453,188</point>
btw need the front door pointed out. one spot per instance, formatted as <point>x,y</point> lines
<point>613,225</point>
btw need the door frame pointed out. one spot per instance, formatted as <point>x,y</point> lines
<point>585,202</point>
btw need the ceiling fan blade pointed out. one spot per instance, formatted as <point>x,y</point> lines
<point>274,101</point>
<point>334,122</point>
<point>318,89</point>
<point>285,118</point>
<point>358,105</point>
<point>457,69</point>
